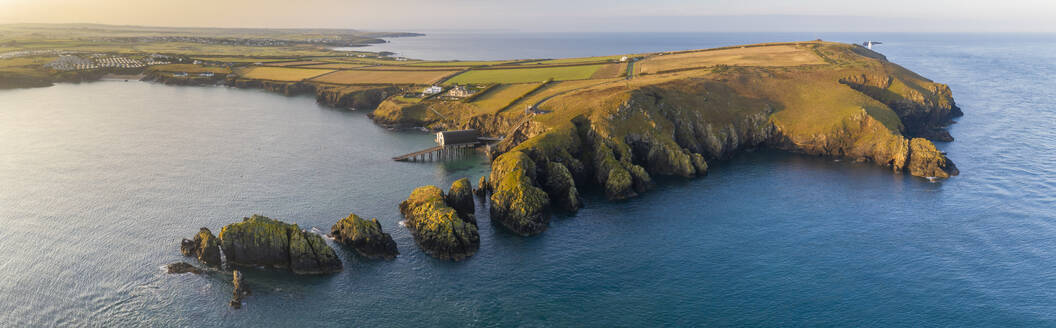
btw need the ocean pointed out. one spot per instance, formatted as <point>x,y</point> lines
<point>99,182</point>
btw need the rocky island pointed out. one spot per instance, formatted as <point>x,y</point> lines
<point>365,237</point>
<point>438,229</point>
<point>262,241</point>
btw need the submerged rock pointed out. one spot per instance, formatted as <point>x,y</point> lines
<point>259,240</point>
<point>460,197</point>
<point>182,267</point>
<point>437,228</point>
<point>365,237</point>
<point>205,247</point>
<point>240,290</point>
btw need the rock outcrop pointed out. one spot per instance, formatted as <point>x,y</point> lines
<point>205,246</point>
<point>365,237</point>
<point>516,202</point>
<point>261,241</point>
<point>437,228</point>
<point>482,187</point>
<point>926,161</point>
<point>182,267</point>
<point>241,290</point>
<point>460,197</point>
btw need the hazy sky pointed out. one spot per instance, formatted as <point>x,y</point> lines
<point>554,15</point>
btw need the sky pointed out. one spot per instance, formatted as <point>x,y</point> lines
<point>555,15</point>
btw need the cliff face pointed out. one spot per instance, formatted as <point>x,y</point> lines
<point>351,97</point>
<point>620,136</point>
<point>259,240</point>
<point>457,116</point>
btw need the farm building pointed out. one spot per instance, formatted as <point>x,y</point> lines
<point>459,92</point>
<point>457,137</point>
<point>432,90</point>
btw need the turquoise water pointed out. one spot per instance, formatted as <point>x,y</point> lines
<point>99,181</point>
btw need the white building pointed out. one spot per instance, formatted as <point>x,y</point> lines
<point>623,59</point>
<point>432,90</point>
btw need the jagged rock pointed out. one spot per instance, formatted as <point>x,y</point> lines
<point>561,187</point>
<point>241,290</point>
<point>205,247</point>
<point>700,164</point>
<point>926,161</point>
<point>188,247</point>
<point>460,197</point>
<point>614,175</point>
<point>259,240</point>
<point>516,203</point>
<point>309,254</point>
<point>482,187</point>
<point>182,267</point>
<point>365,237</point>
<point>437,228</point>
<point>509,162</point>
<point>359,98</point>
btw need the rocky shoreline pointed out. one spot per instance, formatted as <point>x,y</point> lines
<point>613,136</point>
<point>675,127</point>
<point>337,96</point>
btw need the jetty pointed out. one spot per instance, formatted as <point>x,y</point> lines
<point>450,145</point>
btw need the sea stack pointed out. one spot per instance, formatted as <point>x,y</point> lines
<point>365,237</point>
<point>437,227</point>
<point>482,187</point>
<point>240,290</point>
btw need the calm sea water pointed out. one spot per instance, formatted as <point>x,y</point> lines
<point>99,181</point>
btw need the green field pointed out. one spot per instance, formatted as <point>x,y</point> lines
<point>238,59</point>
<point>525,75</point>
<point>335,66</point>
<point>189,68</point>
<point>26,61</point>
<point>281,73</point>
<point>501,96</point>
<point>383,77</point>
<point>577,60</point>
<point>460,63</point>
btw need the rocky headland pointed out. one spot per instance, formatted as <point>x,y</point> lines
<point>853,104</point>
<point>831,99</point>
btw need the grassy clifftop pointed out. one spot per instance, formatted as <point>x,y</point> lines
<point>689,108</point>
